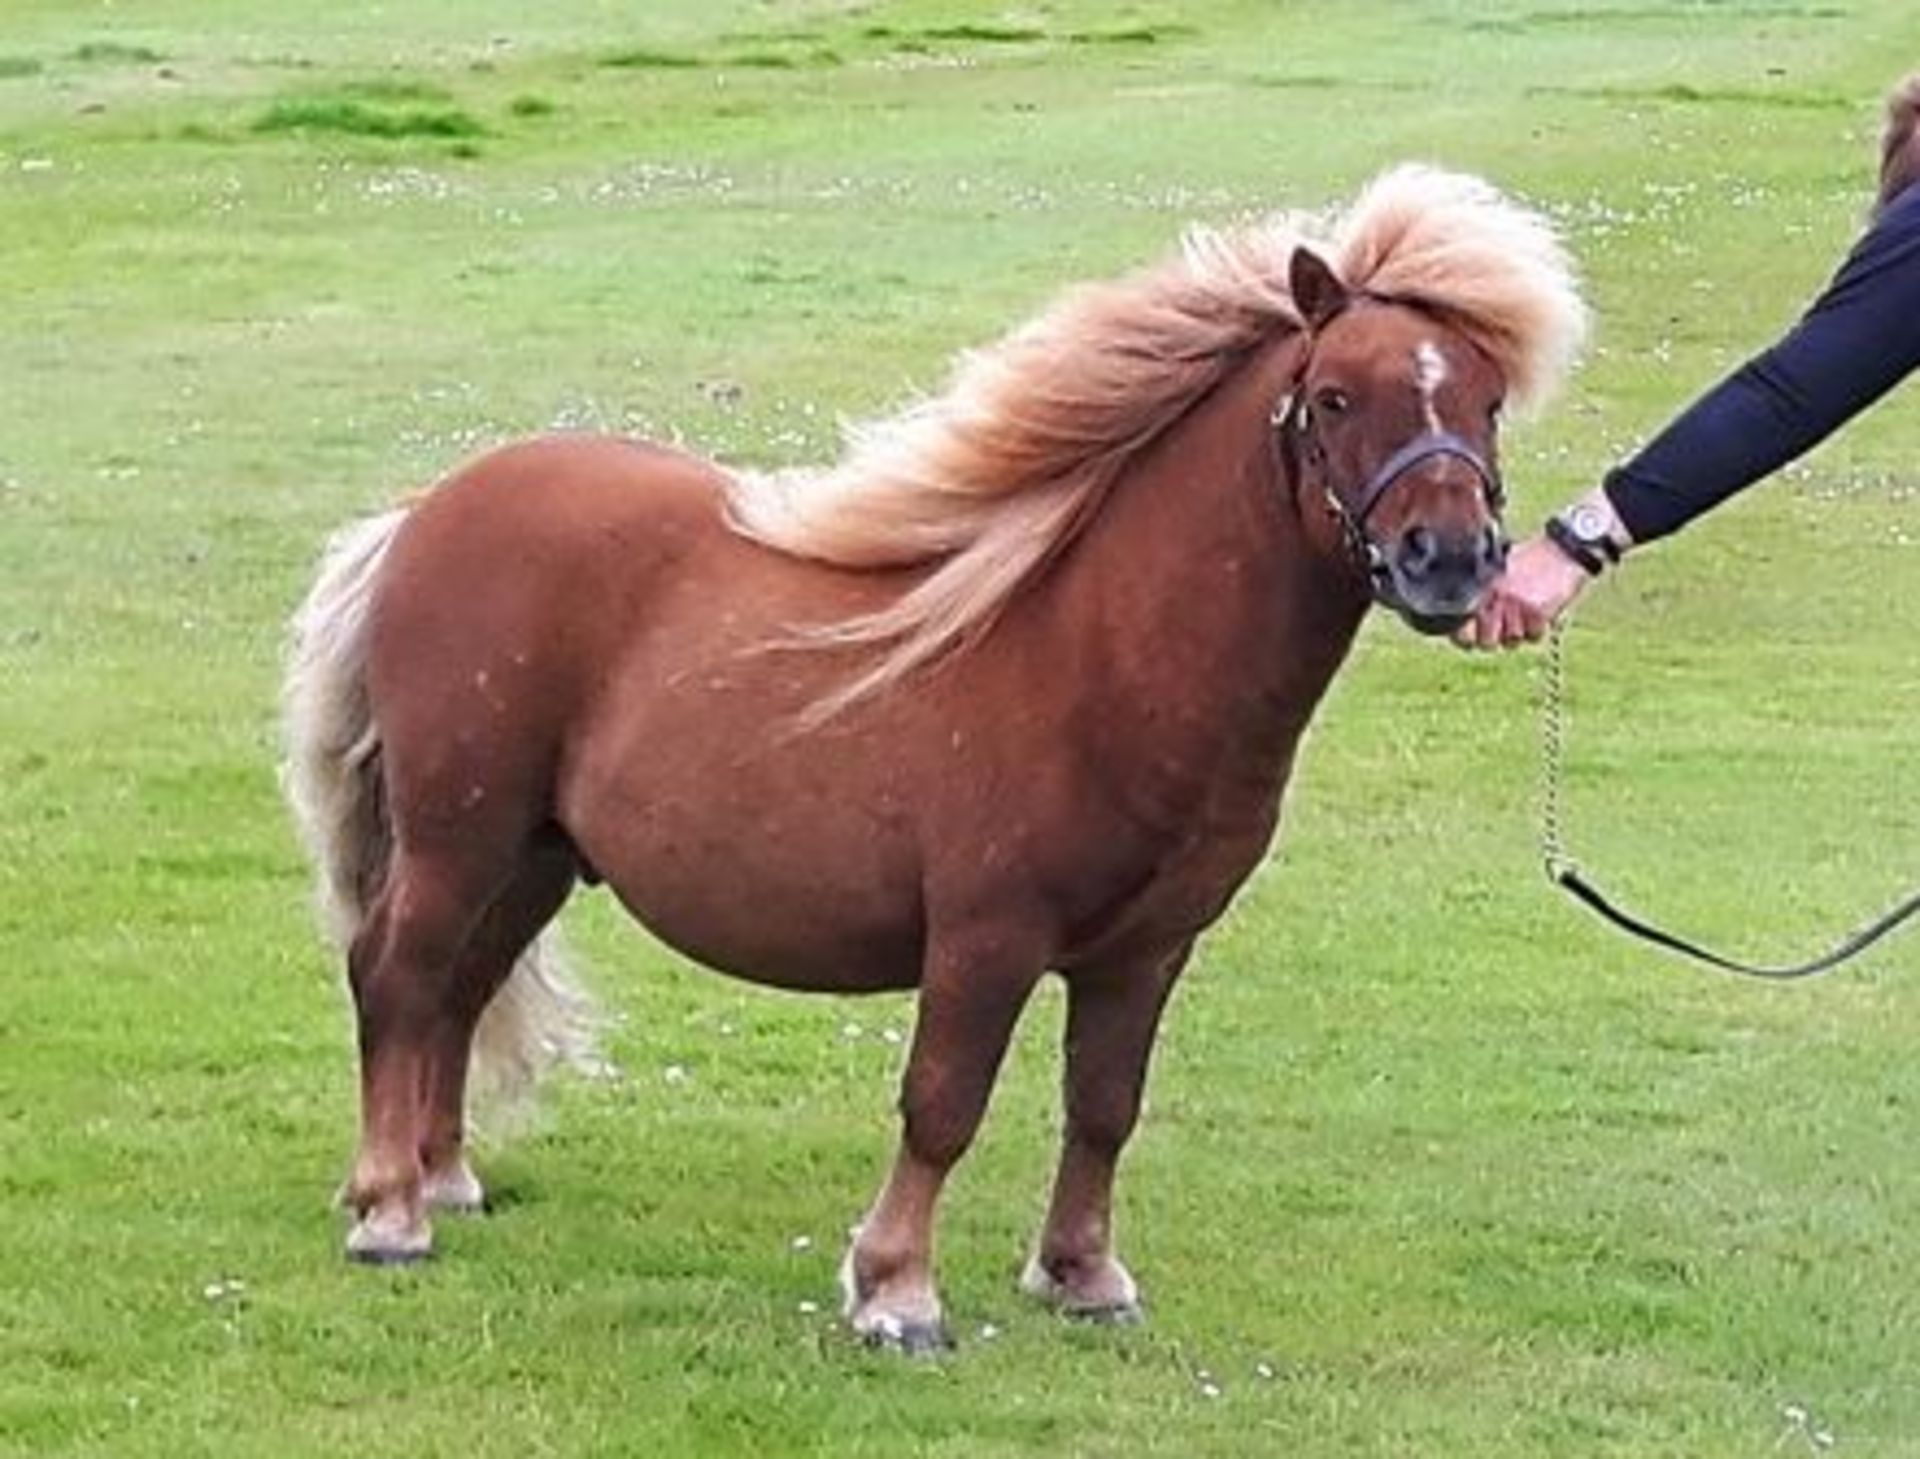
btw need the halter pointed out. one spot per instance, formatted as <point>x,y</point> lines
<point>1292,421</point>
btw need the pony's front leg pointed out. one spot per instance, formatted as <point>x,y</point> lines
<point>1113,1011</point>
<point>970,998</point>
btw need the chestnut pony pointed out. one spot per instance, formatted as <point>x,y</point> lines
<point>1013,687</point>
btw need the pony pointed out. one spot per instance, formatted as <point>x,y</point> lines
<point>1014,687</point>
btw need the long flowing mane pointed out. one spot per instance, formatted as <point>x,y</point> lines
<point>990,480</point>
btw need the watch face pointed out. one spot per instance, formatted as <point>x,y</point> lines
<point>1589,523</point>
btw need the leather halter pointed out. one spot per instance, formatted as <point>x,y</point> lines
<point>1293,426</point>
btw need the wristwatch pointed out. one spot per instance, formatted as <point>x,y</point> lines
<point>1585,533</point>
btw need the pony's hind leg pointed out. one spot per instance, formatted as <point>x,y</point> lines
<point>402,967</point>
<point>1113,1011</point>
<point>516,917</point>
<point>970,998</point>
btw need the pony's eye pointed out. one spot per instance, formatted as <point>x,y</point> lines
<point>1495,411</point>
<point>1333,400</point>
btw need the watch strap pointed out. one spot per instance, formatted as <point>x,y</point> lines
<point>1591,556</point>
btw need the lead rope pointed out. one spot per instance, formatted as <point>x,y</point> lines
<point>1553,751</point>
<point>1564,871</point>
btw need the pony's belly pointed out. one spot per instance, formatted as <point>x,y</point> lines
<point>751,876</point>
<point>781,936</point>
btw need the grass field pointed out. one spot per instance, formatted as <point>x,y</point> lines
<point>1432,1166</point>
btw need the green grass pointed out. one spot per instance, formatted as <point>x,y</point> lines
<point>644,58</point>
<point>1433,1165</point>
<point>392,108</point>
<point>116,53</point>
<point>358,119</point>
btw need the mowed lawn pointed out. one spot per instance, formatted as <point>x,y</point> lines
<point>1433,1165</point>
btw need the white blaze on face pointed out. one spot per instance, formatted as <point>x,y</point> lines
<point>1429,374</point>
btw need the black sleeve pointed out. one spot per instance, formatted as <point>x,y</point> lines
<point>1859,339</point>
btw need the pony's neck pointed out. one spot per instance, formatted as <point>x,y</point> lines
<point>1224,603</point>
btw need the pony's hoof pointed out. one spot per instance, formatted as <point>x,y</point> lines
<point>377,1242</point>
<point>905,1317</point>
<point>1104,1293</point>
<point>909,1339</point>
<point>455,1190</point>
<point>1111,1314</point>
<point>379,1256</point>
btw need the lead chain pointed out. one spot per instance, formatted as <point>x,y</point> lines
<point>1553,746</point>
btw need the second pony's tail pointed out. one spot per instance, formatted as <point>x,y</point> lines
<point>1900,143</point>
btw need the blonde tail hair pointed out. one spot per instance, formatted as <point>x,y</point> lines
<point>332,778</point>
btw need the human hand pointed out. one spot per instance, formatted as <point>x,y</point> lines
<point>1539,584</point>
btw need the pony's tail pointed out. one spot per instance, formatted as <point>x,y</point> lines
<point>1900,143</point>
<point>333,782</point>
<point>331,773</point>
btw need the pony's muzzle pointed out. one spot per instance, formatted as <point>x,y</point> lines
<point>1440,576</point>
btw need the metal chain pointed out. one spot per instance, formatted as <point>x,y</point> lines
<point>1553,751</point>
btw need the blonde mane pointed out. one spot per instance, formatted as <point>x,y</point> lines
<point>991,480</point>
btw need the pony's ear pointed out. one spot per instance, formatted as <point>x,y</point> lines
<point>1317,291</point>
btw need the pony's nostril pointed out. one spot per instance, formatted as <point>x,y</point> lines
<point>1418,550</point>
<point>1446,571</point>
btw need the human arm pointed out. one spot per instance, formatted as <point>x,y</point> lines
<point>1856,341</point>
